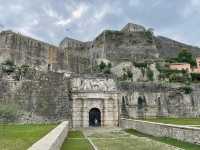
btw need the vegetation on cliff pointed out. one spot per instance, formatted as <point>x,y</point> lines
<point>9,68</point>
<point>185,56</point>
<point>104,68</point>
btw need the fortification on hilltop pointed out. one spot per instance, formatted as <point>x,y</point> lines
<point>93,83</point>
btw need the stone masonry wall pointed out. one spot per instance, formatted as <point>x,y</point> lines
<point>41,97</point>
<point>155,100</point>
<point>183,133</point>
<point>117,46</point>
<point>54,139</point>
<point>25,50</point>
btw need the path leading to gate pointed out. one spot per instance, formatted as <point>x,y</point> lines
<point>117,139</point>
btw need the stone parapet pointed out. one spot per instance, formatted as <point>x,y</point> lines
<point>54,139</point>
<point>182,133</point>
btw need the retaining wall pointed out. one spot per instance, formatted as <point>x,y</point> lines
<point>183,133</point>
<point>54,139</point>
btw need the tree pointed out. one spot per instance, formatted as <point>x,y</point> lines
<point>102,66</point>
<point>109,65</point>
<point>150,74</point>
<point>129,74</point>
<point>105,68</point>
<point>149,35</point>
<point>186,57</point>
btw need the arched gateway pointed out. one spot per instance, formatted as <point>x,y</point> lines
<point>94,102</point>
<point>95,117</point>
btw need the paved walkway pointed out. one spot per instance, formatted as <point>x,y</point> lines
<point>117,139</point>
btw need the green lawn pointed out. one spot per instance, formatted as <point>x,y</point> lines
<point>170,141</point>
<point>177,121</point>
<point>20,137</point>
<point>76,141</point>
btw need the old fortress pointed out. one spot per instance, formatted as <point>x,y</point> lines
<point>94,83</point>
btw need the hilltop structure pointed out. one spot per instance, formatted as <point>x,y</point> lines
<point>130,27</point>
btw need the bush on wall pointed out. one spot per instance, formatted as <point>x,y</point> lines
<point>150,74</point>
<point>8,66</point>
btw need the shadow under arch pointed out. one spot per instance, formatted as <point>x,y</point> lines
<point>94,117</point>
<point>141,106</point>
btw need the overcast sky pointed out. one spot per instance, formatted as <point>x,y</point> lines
<point>52,20</point>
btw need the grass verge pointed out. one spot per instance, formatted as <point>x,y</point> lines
<point>177,121</point>
<point>76,141</point>
<point>21,137</point>
<point>170,141</point>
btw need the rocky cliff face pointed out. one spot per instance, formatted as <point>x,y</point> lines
<point>25,50</point>
<point>170,48</point>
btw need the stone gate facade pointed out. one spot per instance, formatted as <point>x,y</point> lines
<point>94,93</point>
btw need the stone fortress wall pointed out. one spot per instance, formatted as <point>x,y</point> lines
<point>52,97</point>
<point>25,50</point>
<point>39,97</point>
<point>141,100</point>
<point>131,43</point>
<point>47,94</point>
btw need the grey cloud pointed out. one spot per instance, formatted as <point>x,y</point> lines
<point>52,20</point>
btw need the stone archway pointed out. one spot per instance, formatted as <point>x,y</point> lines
<point>95,117</point>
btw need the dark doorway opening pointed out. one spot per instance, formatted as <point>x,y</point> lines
<point>95,117</point>
<point>142,107</point>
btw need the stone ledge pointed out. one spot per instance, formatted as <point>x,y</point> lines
<point>191,127</point>
<point>179,132</point>
<point>54,139</point>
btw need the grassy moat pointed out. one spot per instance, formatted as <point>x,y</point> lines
<point>76,141</point>
<point>21,137</point>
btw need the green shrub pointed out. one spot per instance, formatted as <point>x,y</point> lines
<point>185,56</point>
<point>9,63</point>
<point>127,74</point>
<point>180,77</point>
<point>124,76</point>
<point>24,69</point>
<point>140,65</point>
<point>195,77</point>
<point>102,66</point>
<point>8,66</point>
<point>105,68</point>
<point>21,71</point>
<point>150,74</point>
<point>187,89</point>
<point>109,65</point>
<point>149,36</point>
